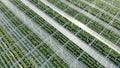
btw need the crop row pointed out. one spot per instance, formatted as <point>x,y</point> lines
<point>115,3</point>
<point>101,15</point>
<point>99,46</point>
<point>86,59</point>
<point>108,5</point>
<point>2,32</point>
<point>103,5</point>
<point>16,51</point>
<point>108,34</point>
<point>24,30</point>
<point>44,49</point>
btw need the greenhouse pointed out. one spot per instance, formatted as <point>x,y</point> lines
<point>59,33</point>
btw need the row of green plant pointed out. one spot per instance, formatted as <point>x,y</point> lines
<point>2,32</point>
<point>99,46</point>
<point>115,2</point>
<point>59,38</point>
<point>7,58</point>
<point>22,42</point>
<point>110,35</point>
<point>105,17</point>
<point>17,23</point>
<point>74,49</point>
<point>109,8</point>
<point>2,47</point>
<point>35,40</point>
